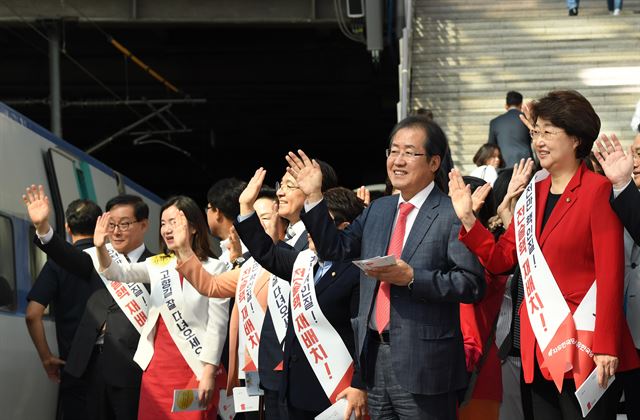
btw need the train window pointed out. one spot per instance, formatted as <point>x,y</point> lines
<point>7,267</point>
<point>37,258</point>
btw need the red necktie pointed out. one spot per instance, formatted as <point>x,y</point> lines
<point>383,303</point>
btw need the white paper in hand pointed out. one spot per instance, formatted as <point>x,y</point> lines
<point>375,262</point>
<point>225,406</point>
<point>186,400</point>
<point>336,411</point>
<point>590,392</point>
<point>242,401</point>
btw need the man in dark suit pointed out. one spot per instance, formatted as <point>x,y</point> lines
<point>336,288</point>
<point>624,173</point>
<point>407,331</point>
<point>509,133</point>
<point>68,296</point>
<point>105,341</point>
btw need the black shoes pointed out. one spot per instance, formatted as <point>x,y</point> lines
<point>573,12</point>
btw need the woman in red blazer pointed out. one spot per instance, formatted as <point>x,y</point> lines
<point>581,240</point>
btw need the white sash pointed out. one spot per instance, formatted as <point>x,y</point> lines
<point>162,269</point>
<point>565,340</point>
<point>250,313</point>
<point>328,356</point>
<point>132,298</point>
<point>278,303</point>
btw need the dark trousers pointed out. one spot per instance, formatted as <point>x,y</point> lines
<point>105,401</point>
<point>630,381</point>
<point>299,414</point>
<point>73,397</point>
<point>549,404</point>
<point>610,6</point>
<point>387,400</point>
<point>274,408</point>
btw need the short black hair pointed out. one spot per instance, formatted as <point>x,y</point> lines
<point>514,98</point>
<point>435,144</point>
<point>224,195</point>
<point>343,204</point>
<point>140,208</point>
<point>81,216</point>
<point>267,192</point>
<point>329,176</point>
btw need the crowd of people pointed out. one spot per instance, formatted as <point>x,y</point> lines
<point>490,296</point>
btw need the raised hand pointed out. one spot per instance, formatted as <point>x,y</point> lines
<point>522,172</point>
<point>250,194</point>
<point>525,117</point>
<point>479,196</point>
<point>461,199</point>
<point>182,236</point>
<point>101,232</point>
<point>274,225</point>
<point>364,195</point>
<point>616,164</point>
<point>307,174</point>
<point>234,245</point>
<point>38,208</point>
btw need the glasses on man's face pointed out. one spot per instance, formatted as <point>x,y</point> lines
<point>407,154</point>
<point>537,133</point>
<point>122,226</point>
<point>286,187</point>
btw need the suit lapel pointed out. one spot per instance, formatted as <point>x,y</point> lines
<point>330,277</point>
<point>387,216</point>
<point>422,224</point>
<point>565,202</point>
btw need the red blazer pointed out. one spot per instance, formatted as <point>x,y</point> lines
<point>582,241</point>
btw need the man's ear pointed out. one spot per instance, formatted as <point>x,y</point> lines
<point>343,225</point>
<point>144,224</point>
<point>68,229</point>
<point>434,163</point>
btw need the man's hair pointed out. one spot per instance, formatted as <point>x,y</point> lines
<point>572,112</point>
<point>514,98</point>
<point>329,176</point>
<point>224,195</point>
<point>267,192</point>
<point>343,204</point>
<point>140,208</point>
<point>81,216</point>
<point>424,113</point>
<point>435,144</point>
<point>193,213</point>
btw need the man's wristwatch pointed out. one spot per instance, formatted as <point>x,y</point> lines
<point>410,285</point>
<point>238,262</point>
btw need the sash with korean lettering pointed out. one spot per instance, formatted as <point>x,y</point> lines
<point>322,345</point>
<point>565,339</point>
<point>162,272</point>
<point>132,298</point>
<point>278,303</point>
<point>250,313</point>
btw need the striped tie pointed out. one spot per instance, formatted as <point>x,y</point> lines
<point>383,303</point>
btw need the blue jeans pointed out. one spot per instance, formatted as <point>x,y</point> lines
<point>573,4</point>
<point>614,4</point>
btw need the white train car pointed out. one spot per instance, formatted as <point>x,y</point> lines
<point>29,154</point>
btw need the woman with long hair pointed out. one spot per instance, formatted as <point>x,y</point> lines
<point>182,340</point>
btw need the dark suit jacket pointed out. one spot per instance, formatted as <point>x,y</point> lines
<point>512,136</point>
<point>121,338</point>
<point>627,206</point>
<point>337,292</point>
<point>427,351</point>
<point>270,354</point>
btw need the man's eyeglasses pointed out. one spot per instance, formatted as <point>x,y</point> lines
<point>286,187</point>
<point>408,154</point>
<point>537,133</point>
<point>123,226</point>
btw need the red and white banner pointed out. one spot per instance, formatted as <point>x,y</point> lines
<point>278,302</point>
<point>132,298</point>
<point>565,340</point>
<point>328,356</point>
<point>250,313</point>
